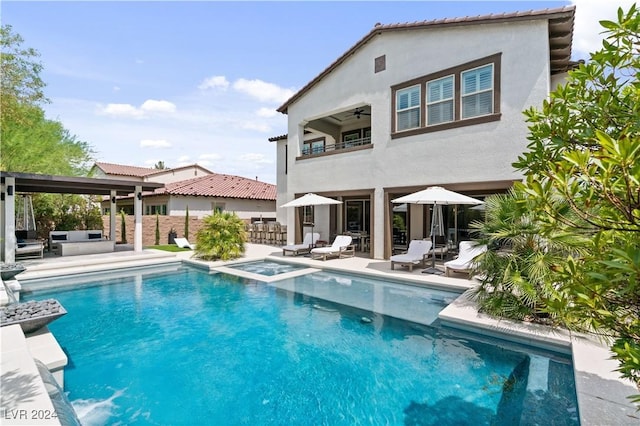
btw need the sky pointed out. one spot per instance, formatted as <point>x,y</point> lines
<point>200,82</point>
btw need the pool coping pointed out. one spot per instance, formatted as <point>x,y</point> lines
<point>601,392</point>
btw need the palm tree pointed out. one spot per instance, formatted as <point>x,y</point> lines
<point>221,237</point>
<point>519,269</point>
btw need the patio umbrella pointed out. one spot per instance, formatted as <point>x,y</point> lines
<point>437,196</point>
<point>311,199</point>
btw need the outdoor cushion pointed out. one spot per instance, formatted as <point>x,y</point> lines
<point>58,237</point>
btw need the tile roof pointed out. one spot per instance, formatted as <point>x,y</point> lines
<point>220,185</point>
<point>122,170</point>
<point>560,38</point>
<point>277,138</point>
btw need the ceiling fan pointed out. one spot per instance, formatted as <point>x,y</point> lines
<point>359,111</point>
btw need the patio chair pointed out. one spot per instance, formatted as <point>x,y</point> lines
<point>29,249</point>
<point>417,254</point>
<point>340,248</point>
<point>184,243</point>
<point>465,260</point>
<point>305,247</point>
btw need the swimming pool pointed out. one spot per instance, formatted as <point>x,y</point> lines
<point>189,347</point>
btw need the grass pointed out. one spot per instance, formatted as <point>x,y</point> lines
<point>168,247</point>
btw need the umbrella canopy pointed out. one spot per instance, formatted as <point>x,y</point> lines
<point>311,199</point>
<point>436,195</point>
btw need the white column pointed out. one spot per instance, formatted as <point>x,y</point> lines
<point>378,224</point>
<point>9,216</point>
<point>137,219</point>
<point>112,216</point>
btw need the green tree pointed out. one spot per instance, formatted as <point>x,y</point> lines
<point>583,176</point>
<point>221,237</point>
<point>160,166</point>
<point>20,70</point>
<point>123,227</point>
<point>186,224</point>
<point>157,229</point>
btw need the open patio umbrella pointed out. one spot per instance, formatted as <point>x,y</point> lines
<point>311,199</point>
<point>437,196</point>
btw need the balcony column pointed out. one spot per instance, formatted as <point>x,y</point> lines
<point>137,219</point>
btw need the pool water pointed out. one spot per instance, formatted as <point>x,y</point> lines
<point>192,348</point>
<point>266,267</point>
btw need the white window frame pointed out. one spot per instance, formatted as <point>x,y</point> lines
<point>451,99</point>
<point>418,106</point>
<point>477,92</point>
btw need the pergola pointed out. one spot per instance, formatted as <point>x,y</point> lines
<point>12,182</point>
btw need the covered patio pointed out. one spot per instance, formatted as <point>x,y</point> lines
<point>12,183</point>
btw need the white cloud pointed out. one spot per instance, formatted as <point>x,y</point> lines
<point>116,88</point>
<point>154,143</point>
<point>122,110</point>
<point>255,158</point>
<point>151,163</point>
<point>153,105</point>
<point>266,112</point>
<point>587,35</point>
<point>263,91</point>
<point>149,106</point>
<point>217,81</point>
<point>183,158</point>
<point>204,163</point>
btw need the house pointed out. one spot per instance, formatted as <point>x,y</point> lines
<point>415,105</point>
<point>195,187</point>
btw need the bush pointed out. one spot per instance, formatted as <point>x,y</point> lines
<point>221,237</point>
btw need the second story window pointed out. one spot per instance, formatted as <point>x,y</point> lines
<point>440,100</point>
<point>463,95</point>
<point>477,91</point>
<point>408,108</point>
<point>314,146</point>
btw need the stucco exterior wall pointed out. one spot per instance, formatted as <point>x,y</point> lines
<point>470,154</point>
<point>171,175</point>
<point>202,206</point>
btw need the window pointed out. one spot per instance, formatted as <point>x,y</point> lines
<point>313,146</point>
<point>440,101</point>
<point>160,209</point>
<point>408,108</point>
<point>477,92</point>
<point>307,214</point>
<point>217,207</point>
<point>464,95</point>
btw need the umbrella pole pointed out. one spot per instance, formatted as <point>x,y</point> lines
<point>433,270</point>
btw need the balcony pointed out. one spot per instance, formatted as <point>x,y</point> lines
<point>318,149</point>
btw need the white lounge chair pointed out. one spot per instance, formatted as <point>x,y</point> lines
<point>417,254</point>
<point>305,247</point>
<point>466,256</point>
<point>340,248</point>
<point>184,243</point>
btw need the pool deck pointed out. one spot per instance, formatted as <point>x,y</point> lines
<point>601,393</point>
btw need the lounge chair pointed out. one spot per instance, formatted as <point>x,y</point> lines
<point>465,260</point>
<point>184,243</point>
<point>417,254</point>
<point>305,247</point>
<point>340,248</point>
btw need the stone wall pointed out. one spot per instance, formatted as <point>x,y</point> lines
<point>149,228</point>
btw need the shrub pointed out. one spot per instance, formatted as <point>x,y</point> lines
<point>221,237</point>
<point>123,227</point>
<point>157,230</point>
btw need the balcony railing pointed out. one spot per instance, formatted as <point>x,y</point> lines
<point>308,151</point>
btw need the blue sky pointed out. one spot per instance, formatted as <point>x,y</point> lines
<point>187,82</point>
